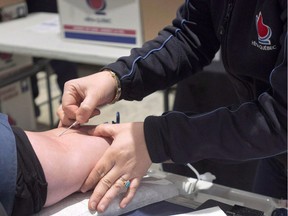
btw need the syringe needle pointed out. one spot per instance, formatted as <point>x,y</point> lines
<point>72,125</point>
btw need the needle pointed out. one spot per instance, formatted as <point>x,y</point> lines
<point>72,125</point>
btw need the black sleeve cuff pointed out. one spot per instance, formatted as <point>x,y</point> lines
<point>154,141</point>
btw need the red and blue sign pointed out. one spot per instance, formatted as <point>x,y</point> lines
<point>125,36</point>
<point>97,24</point>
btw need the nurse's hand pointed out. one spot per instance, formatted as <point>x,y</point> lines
<point>82,97</point>
<point>126,159</point>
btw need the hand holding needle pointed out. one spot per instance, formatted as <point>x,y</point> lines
<point>72,125</point>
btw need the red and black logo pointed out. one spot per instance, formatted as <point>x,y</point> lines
<point>264,31</point>
<point>98,6</point>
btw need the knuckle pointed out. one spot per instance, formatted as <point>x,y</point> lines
<point>98,174</point>
<point>91,181</point>
<point>97,196</point>
<point>133,187</point>
<point>132,192</point>
<point>59,109</point>
<point>106,182</point>
<point>109,198</point>
<point>94,177</point>
<point>118,186</point>
<point>66,84</point>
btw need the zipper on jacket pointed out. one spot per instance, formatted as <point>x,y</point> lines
<point>223,34</point>
<point>226,18</point>
<point>223,31</point>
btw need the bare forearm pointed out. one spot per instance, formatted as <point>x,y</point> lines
<point>66,160</point>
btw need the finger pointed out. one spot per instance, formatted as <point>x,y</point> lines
<point>70,107</point>
<point>64,120</point>
<point>87,109</point>
<point>95,112</point>
<point>112,192</point>
<point>60,114</point>
<point>105,130</point>
<point>103,176</point>
<point>101,189</point>
<point>60,124</point>
<point>97,173</point>
<point>135,183</point>
<point>71,99</point>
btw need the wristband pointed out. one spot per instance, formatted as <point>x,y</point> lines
<point>117,89</point>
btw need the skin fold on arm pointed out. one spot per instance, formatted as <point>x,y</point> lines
<point>66,160</point>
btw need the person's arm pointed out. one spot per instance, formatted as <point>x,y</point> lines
<point>8,164</point>
<point>174,54</point>
<point>66,160</point>
<point>179,50</point>
<point>253,130</point>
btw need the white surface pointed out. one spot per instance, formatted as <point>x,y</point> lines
<point>151,191</point>
<point>160,189</point>
<point>34,36</point>
<point>215,211</point>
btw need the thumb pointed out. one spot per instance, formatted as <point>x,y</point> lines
<point>104,130</point>
<point>87,109</point>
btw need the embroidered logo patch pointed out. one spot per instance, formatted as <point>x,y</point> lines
<point>264,33</point>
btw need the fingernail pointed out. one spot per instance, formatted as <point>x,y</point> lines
<point>93,206</point>
<point>102,208</point>
<point>83,189</point>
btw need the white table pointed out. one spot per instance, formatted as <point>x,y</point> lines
<point>191,194</point>
<point>39,35</point>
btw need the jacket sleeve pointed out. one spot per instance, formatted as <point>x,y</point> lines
<point>173,55</point>
<point>8,164</point>
<point>253,130</point>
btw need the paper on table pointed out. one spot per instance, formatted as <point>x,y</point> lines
<point>48,26</point>
<point>214,211</point>
<point>150,191</point>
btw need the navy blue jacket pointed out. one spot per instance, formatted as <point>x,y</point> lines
<point>8,164</point>
<point>252,37</point>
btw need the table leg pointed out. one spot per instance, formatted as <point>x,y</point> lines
<point>51,119</point>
